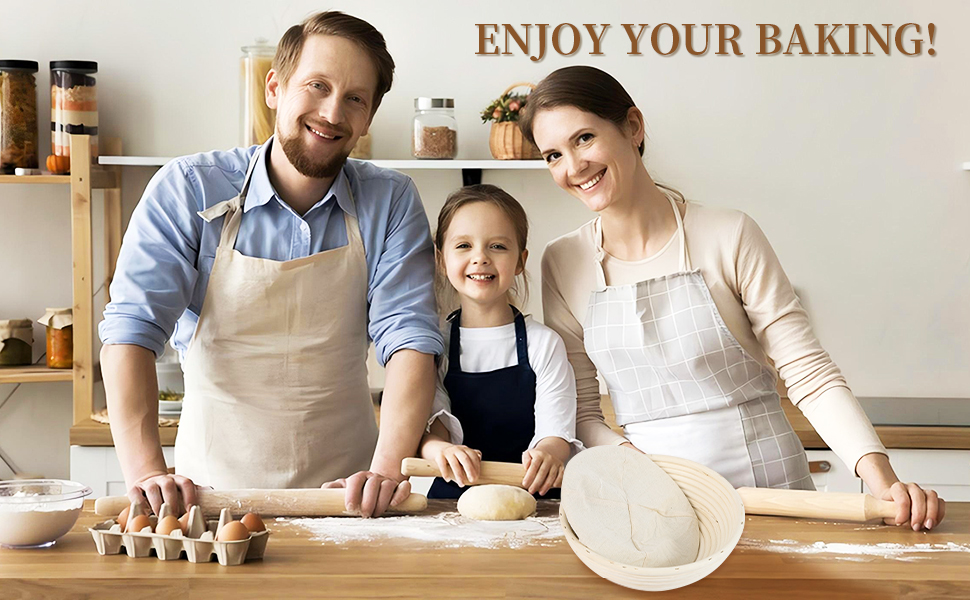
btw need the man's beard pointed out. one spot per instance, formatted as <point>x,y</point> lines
<point>299,156</point>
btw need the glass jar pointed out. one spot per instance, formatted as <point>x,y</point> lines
<point>258,119</point>
<point>74,105</point>
<point>60,337</point>
<point>18,115</point>
<point>435,132</point>
<point>16,342</point>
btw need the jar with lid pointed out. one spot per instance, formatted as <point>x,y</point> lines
<point>18,115</point>
<point>16,342</point>
<point>74,106</point>
<point>60,337</point>
<point>258,119</point>
<point>435,133</point>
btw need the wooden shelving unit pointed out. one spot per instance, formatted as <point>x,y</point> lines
<point>83,179</point>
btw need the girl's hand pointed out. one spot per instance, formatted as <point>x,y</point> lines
<point>459,463</point>
<point>914,505</point>
<point>543,471</point>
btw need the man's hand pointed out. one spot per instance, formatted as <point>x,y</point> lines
<point>155,488</point>
<point>370,493</point>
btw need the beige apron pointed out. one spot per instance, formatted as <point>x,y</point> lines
<point>682,385</point>
<point>276,392</point>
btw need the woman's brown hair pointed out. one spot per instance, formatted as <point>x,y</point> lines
<point>586,88</point>
<point>496,196</point>
<point>336,23</point>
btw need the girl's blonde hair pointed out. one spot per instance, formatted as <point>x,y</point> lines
<point>496,196</point>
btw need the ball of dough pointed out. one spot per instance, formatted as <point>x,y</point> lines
<point>496,503</point>
<point>624,507</point>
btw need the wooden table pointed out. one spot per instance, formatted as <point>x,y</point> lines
<point>296,567</point>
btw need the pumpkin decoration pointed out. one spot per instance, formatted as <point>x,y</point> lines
<point>59,165</point>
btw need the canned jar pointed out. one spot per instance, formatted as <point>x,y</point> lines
<point>60,337</point>
<point>16,342</point>
<point>258,119</point>
<point>18,115</point>
<point>74,104</point>
<point>435,132</point>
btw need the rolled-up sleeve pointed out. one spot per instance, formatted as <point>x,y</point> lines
<point>403,314</point>
<point>157,266</point>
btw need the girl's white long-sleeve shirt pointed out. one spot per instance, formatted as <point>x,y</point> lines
<point>755,300</point>
<point>485,349</point>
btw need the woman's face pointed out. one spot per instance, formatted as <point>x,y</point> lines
<point>590,157</point>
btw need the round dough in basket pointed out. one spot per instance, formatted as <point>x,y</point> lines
<point>624,507</point>
<point>496,503</point>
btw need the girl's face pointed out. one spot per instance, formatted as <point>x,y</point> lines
<point>590,157</point>
<point>480,253</point>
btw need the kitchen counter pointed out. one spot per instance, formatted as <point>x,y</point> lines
<point>777,557</point>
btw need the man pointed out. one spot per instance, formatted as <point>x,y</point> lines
<point>273,265</point>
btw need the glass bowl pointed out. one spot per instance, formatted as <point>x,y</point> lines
<point>35,512</point>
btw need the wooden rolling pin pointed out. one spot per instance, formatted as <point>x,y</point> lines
<point>312,502</point>
<point>757,501</point>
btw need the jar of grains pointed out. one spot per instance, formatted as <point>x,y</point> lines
<point>60,337</point>
<point>435,132</point>
<point>74,104</point>
<point>18,115</point>
<point>16,342</point>
<point>258,119</point>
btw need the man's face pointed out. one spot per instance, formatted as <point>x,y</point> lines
<point>325,106</point>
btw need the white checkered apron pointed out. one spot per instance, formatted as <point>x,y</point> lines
<point>682,385</point>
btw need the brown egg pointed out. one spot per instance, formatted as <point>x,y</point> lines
<point>233,531</point>
<point>184,523</point>
<point>253,522</point>
<point>123,518</point>
<point>139,522</point>
<point>167,525</point>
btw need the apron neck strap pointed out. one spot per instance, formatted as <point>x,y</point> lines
<point>599,254</point>
<point>454,344</point>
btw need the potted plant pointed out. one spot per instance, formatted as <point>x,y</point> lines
<point>505,140</point>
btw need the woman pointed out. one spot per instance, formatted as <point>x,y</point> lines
<point>683,309</point>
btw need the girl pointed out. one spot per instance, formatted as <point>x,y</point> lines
<point>683,309</point>
<point>506,391</point>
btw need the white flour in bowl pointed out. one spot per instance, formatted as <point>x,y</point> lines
<point>28,523</point>
<point>442,530</point>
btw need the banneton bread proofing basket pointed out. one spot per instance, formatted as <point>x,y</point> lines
<point>720,513</point>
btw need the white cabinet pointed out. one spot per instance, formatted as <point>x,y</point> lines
<point>98,467</point>
<point>834,476</point>
<point>946,471</point>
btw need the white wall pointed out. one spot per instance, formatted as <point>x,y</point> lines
<point>850,164</point>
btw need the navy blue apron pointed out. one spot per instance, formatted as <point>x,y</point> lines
<point>496,409</point>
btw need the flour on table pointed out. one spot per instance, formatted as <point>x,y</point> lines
<point>854,552</point>
<point>442,530</point>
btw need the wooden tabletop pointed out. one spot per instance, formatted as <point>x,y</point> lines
<point>776,558</point>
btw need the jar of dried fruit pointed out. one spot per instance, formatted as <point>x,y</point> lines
<point>435,132</point>
<point>60,337</point>
<point>18,115</point>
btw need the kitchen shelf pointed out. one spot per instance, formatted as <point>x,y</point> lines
<point>471,170</point>
<point>89,432</point>
<point>83,179</point>
<point>100,179</point>
<point>34,374</point>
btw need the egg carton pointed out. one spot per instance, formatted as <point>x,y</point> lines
<point>199,545</point>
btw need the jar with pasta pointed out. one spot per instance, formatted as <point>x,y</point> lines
<point>18,115</point>
<point>74,107</point>
<point>60,337</point>
<point>16,342</point>
<point>258,119</point>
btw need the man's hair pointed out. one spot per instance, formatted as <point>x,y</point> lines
<point>339,24</point>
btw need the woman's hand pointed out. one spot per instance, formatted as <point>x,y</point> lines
<point>543,471</point>
<point>459,463</point>
<point>154,488</point>
<point>922,508</point>
<point>914,505</point>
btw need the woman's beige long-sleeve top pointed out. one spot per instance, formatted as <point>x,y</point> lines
<point>755,300</point>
